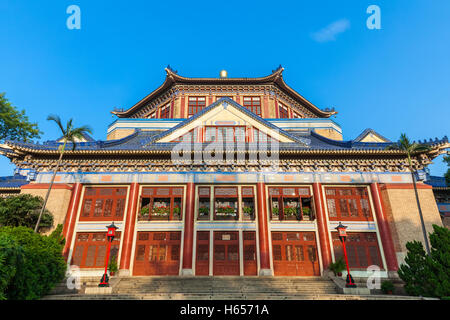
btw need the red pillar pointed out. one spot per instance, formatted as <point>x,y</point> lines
<point>263,230</point>
<point>128,231</point>
<point>71,217</point>
<point>188,241</point>
<point>325,247</point>
<point>383,227</point>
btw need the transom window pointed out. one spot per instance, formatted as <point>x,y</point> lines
<point>196,104</point>
<point>226,203</point>
<point>103,204</point>
<point>161,203</point>
<point>253,104</point>
<point>290,203</point>
<point>348,203</point>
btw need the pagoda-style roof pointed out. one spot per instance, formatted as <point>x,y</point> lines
<point>145,142</point>
<point>275,78</point>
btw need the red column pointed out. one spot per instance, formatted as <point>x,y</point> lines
<point>263,229</point>
<point>325,247</point>
<point>71,217</point>
<point>128,229</point>
<point>188,229</point>
<point>383,227</point>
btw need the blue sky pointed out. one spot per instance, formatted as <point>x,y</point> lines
<point>392,80</point>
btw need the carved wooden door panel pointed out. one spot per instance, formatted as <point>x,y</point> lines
<point>157,253</point>
<point>226,253</point>
<point>202,254</point>
<point>295,254</point>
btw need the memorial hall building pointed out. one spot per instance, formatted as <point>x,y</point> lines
<point>230,176</point>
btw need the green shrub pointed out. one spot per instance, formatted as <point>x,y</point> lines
<point>338,266</point>
<point>428,275</point>
<point>40,268</point>
<point>387,286</point>
<point>11,255</point>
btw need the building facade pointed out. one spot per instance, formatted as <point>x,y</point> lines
<point>230,176</point>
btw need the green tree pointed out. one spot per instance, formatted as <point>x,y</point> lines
<point>428,275</point>
<point>14,124</point>
<point>42,266</point>
<point>69,134</point>
<point>411,149</point>
<point>447,174</point>
<point>23,210</point>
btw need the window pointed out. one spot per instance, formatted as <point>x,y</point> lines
<point>196,104</point>
<point>225,134</point>
<point>290,203</point>
<point>253,104</point>
<point>90,249</point>
<point>190,136</point>
<point>161,203</point>
<point>348,203</point>
<point>362,249</point>
<point>283,110</point>
<point>165,111</point>
<point>103,204</point>
<point>227,203</point>
<point>259,136</point>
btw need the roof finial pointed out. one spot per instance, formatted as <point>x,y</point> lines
<point>277,69</point>
<point>171,70</point>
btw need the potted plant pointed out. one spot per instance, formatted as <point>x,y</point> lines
<point>112,267</point>
<point>306,213</point>
<point>176,211</point>
<point>275,211</point>
<point>248,211</point>
<point>144,212</point>
<point>337,267</point>
<point>387,287</point>
<point>203,211</point>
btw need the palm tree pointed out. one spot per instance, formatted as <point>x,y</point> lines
<point>410,149</point>
<point>69,134</point>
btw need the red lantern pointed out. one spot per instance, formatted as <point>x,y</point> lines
<point>104,282</point>
<point>343,235</point>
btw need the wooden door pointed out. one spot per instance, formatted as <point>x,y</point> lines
<point>157,253</point>
<point>202,254</point>
<point>226,253</point>
<point>250,265</point>
<point>295,254</point>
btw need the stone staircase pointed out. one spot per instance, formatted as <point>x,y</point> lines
<point>213,288</point>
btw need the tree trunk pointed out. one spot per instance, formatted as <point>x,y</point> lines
<point>424,231</point>
<point>49,189</point>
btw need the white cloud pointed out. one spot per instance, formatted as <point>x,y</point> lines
<point>330,32</point>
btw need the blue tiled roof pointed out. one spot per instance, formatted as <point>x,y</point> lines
<point>437,182</point>
<point>15,181</point>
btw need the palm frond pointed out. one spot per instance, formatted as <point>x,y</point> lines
<point>57,119</point>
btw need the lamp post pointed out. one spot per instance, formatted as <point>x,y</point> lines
<point>104,282</point>
<point>342,236</point>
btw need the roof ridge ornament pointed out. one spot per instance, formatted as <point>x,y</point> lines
<point>171,69</point>
<point>278,69</point>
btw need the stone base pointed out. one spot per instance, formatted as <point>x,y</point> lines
<point>124,273</point>
<point>265,272</point>
<point>187,272</point>
<point>98,290</point>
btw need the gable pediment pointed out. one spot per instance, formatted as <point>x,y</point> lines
<point>226,112</point>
